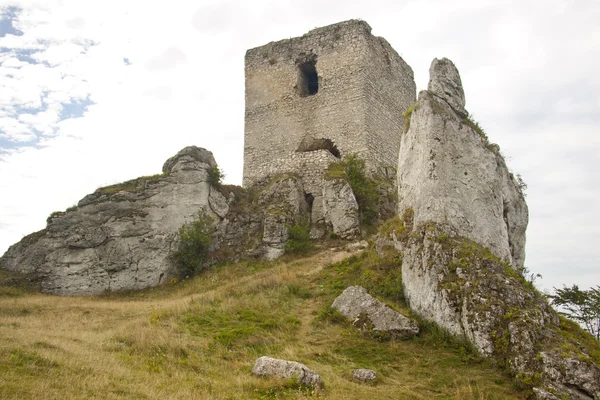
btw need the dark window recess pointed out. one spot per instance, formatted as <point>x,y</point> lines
<point>308,79</point>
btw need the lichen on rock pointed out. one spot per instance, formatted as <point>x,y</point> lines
<point>121,238</point>
<point>462,259</point>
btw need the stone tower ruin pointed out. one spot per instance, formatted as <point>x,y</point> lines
<point>313,99</point>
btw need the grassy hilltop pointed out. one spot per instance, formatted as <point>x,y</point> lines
<point>198,339</point>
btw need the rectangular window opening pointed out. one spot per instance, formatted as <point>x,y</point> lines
<point>308,79</point>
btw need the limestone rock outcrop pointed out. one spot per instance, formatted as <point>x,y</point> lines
<point>340,209</point>
<point>449,174</point>
<point>465,244</point>
<point>119,237</point>
<point>355,303</point>
<point>275,368</point>
<point>445,83</point>
<point>284,205</point>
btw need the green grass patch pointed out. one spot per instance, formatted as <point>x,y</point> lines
<point>408,114</point>
<point>131,186</point>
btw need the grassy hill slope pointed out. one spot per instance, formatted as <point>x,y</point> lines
<point>198,339</point>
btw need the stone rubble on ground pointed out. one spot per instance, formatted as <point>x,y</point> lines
<point>364,375</point>
<point>275,368</point>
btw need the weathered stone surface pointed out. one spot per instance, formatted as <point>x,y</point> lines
<point>340,209</point>
<point>355,302</point>
<point>189,158</point>
<point>357,110</point>
<point>275,368</point>
<point>541,394</point>
<point>464,288</point>
<point>448,175</point>
<point>364,375</point>
<point>284,205</point>
<point>465,242</point>
<point>116,240</point>
<point>444,82</point>
<point>571,376</point>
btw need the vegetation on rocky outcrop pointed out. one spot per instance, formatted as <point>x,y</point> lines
<point>365,188</point>
<point>132,186</point>
<point>193,244</point>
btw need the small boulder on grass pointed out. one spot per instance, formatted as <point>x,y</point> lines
<point>364,375</point>
<point>355,303</point>
<point>274,368</point>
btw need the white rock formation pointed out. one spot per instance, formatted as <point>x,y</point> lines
<point>340,209</point>
<point>466,238</point>
<point>283,205</point>
<point>449,174</point>
<point>120,239</point>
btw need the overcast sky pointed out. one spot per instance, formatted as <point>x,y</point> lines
<point>97,92</point>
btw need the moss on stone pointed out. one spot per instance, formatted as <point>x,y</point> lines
<point>408,114</point>
<point>131,186</point>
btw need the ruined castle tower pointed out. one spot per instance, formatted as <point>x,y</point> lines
<point>311,100</point>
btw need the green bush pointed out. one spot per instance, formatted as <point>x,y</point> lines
<point>194,242</point>
<point>299,238</point>
<point>215,176</point>
<point>365,189</point>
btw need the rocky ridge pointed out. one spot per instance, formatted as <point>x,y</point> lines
<point>464,247</point>
<point>119,237</point>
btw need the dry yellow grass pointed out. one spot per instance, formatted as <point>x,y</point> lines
<point>199,340</point>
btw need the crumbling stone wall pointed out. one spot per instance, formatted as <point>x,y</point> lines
<point>309,165</point>
<point>363,88</point>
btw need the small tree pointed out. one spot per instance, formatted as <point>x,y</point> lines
<point>582,306</point>
<point>299,238</point>
<point>365,189</point>
<point>194,242</point>
<point>215,176</point>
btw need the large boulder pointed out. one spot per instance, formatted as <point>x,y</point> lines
<point>340,209</point>
<point>355,303</point>
<point>282,369</point>
<point>465,243</point>
<point>120,236</point>
<point>284,204</point>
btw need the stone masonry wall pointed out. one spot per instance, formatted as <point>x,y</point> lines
<point>364,87</point>
<point>310,165</point>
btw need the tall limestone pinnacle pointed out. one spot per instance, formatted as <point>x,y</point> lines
<point>461,261</point>
<point>450,174</point>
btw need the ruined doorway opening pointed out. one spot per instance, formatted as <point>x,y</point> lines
<point>311,144</point>
<point>308,79</point>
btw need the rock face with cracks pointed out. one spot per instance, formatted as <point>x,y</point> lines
<point>465,242</point>
<point>340,209</point>
<point>355,303</point>
<point>275,368</point>
<point>120,237</point>
<point>284,205</point>
<point>449,174</point>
